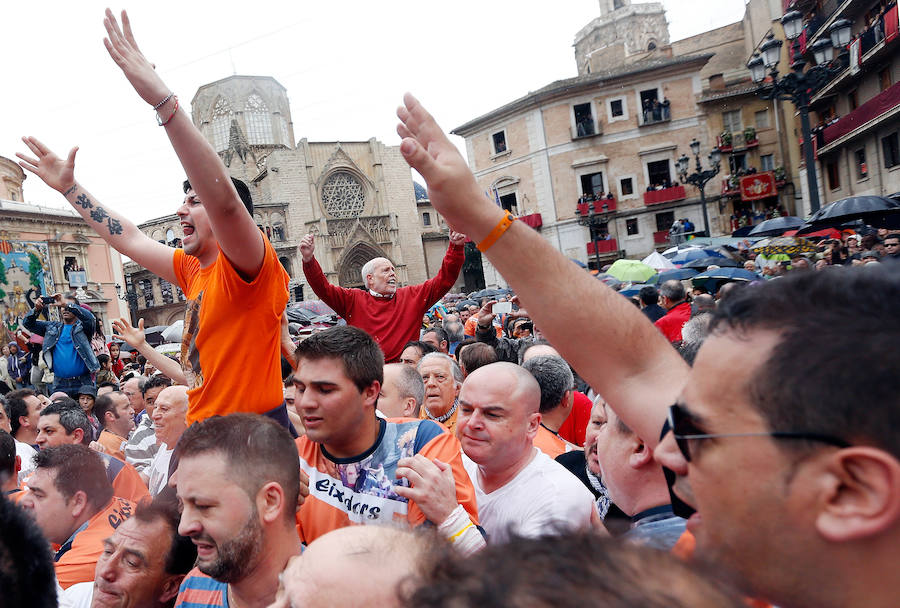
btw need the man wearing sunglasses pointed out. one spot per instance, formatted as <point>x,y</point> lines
<point>781,505</point>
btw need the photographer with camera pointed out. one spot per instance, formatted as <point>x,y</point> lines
<point>67,344</point>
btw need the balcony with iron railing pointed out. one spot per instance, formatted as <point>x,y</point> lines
<point>735,142</point>
<point>656,114</point>
<point>604,247</point>
<point>586,128</point>
<point>882,107</point>
<point>665,195</point>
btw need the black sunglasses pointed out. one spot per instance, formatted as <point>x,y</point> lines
<point>684,430</point>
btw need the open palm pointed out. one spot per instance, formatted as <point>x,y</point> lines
<point>57,173</point>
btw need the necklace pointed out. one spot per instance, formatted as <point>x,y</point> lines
<point>446,416</point>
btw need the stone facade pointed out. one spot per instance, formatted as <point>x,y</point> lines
<point>357,197</point>
<point>623,33</point>
<point>60,248</point>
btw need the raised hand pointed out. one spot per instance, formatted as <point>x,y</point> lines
<point>57,173</point>
<point>484,315</point>
<point>457,238</point>
<point>125,331</point>
<point>307,247</point>
<point>452,188</point>
<point>432,486</point>
<point>122,47</point>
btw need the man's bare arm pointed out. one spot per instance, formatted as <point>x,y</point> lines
<point>234,228</point>
<point>121,234</point>
<point>606,339</point>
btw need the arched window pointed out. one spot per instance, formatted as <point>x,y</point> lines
<point>277,223</point>
<point>651,46</point>
<point>259,121</point>
<point>147,291</point>
<point>221,124</point>
<point>343,195</point>
<point>166,289</point>
<point>286,263</point>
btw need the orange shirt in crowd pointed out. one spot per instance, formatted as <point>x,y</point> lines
<point>360,490</point>
<point>113,444</point>
<point>550,443</point>
<point>76,560</point>
<point>231,346</point>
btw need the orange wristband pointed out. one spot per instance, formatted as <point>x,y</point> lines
<point>497,232</point>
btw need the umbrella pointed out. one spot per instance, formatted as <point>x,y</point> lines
<point>169,348</point>
<point>154,335</point>
<point>609,281</point>
<point>485,293</point>
<point>712,261</point>
<point>776,226</point>
<point>633,289</point>
<point>657,261</point>
<point>174,331</point>
<point>784,245</point>
<point>742,231</point>
<point>579,262</point>
<point>828,233</point>
<point>317,307</point>
<point>725,275</point>
<point>679,274</point>
<point>875,210</point>
<point>630,270</point>
<point>686,255</point>
<point>467,303</point>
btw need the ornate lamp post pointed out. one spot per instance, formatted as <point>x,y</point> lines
<point>700,177</point>
<point>798,86</point>
<point>594,221</point>
<point>127,294</point>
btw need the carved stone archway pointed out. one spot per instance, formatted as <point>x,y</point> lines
<point>352,262</point>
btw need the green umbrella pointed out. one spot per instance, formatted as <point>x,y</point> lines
<point>631,271</point>
<point>784,245</point>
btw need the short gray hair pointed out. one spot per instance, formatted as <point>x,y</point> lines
<point>454,367</point>
<point>554,376</point>
<point>409,383</point>
<point>673,290</point>
<point>455,330</point>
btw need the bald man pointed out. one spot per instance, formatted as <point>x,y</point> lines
<point>169,414</point>
<point>391,314</point>
<point>377,559</point>
<point>519,489</point>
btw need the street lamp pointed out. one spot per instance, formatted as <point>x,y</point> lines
<point>127,294</point>
<point>700,177</point>
<point>798,85</point>
<point>594,221</point>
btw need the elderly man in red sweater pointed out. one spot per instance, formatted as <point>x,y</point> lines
<point>673,297</point>
<point>392,316</point>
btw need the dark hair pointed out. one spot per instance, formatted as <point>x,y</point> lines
<point>21,393</point>
<point>103,404</point>
<point>155,382</point>
<point>182,551</point>
<point>258,450</point>
<point>114,385</point>
<point>424,347</point>
<point>15,407</point>
<point>475,355</point>
<point>893,235</point>
<point>530,572</point>
<point>71,417</point>
<point>802,385</point>
<point>649,295</point>
<point>554,377</point>
<point>362,358</point>
<point>103,358</point>
<point>289,380</point>
<point>78,469</point>
<point>440,332</point>
<point>27,576</point>
<point>8,456</point>
<point>242,190</point>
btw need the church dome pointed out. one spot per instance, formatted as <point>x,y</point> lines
<point>421,192</point>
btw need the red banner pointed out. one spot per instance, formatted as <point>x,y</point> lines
<point>757,186</point>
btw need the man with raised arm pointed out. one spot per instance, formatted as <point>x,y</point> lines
<point>392,315</point>
<point>227,269</point>
<point>768,443</point>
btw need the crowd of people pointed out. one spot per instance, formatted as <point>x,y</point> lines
<point>562,448</point>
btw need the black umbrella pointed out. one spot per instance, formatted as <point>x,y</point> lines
<point>485,293</point>
<point>878,211</point>
<point>711,261</point>
<point>742,231</point>
<point>776,226</point>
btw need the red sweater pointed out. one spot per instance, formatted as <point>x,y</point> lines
<point>392,322</point>
<point>670,325</point>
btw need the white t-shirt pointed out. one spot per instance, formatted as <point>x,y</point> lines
<point>543,498</point>
<point>158,471</point>
<point>26,454</point>
<point>79,595</point>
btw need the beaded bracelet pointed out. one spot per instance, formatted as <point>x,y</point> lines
<point>501,227</point>
<point>159,120</point>
<point>163,102</point>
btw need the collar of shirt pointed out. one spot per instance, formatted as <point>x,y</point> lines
<point>382,296</point>
<point>651,515</point>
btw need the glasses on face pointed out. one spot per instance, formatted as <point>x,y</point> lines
<point>684,430</point>
<point>892,244</point>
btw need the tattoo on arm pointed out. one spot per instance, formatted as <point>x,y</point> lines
<point>98,214</point>
<point>71,190</point>
<point>83,201</point>
<point>114,226</point>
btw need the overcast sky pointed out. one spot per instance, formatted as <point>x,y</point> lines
<point>345,65</point>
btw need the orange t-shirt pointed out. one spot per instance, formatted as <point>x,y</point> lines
<point>551,444</point>
<point>231,346</point>
<point>472,324</point>
<point>361,490</point>
<point>76,560</point>
<point>112,443</point>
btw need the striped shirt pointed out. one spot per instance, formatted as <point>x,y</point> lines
<point>141,446</point>
<point>200,591</point>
